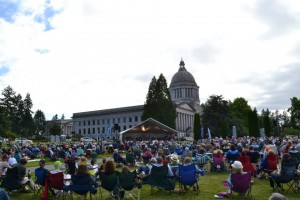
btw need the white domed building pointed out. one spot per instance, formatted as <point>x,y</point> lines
<point>185,94</point>
<point>109,122</point>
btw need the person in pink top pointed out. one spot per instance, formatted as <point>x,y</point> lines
<point>148,153</point>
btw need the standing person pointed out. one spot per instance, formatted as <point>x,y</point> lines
<point>41,173</point>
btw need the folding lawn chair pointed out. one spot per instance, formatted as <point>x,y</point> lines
<point>188,177</point>
<point>289,178</point>
<point>80,191</point>
<point>158,178</point>
<point>241,184</point>
<point>56,185</point>
<point>128,184</point>
<point>217,163</point>
<point>109,183</point>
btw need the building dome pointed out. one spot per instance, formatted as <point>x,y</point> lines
<point>184,89</point>
<point>183,77</point>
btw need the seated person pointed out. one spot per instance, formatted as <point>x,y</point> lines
<point>232,154</point>
<point>254,155</point>
<point>15,177</point>
<point>4,165</point>
<point>264,163</point>
<point>57,167</point>
<point>218,149</point>
<point>144,169</point>
<point>188,161</point>
<point>287,161</point>
<point>109,167</point>
<point>82,176</point>
<point>186,153</point>
<point>159,163</point>
<point>118,158</point>
<point>237,168</point>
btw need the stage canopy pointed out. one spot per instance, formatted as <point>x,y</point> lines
<point>147,129</point>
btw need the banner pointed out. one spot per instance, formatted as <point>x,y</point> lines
<point>209,135</point>
<point>107,131</point>
<point>202,133</point>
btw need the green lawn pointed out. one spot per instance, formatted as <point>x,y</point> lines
<point>210,184</point>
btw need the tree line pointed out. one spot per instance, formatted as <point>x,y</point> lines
<point>220,115</point>
<point>17,117</point>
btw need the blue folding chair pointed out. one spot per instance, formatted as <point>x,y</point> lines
<point>188,178</point>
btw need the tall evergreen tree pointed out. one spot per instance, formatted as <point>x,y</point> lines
<point>224,129</point>
<point>197,126</point>
<point>55,117</point>
<point>39,121</point>
<point>149,106</point>
<point>253,123</point>
<point>158,103</point>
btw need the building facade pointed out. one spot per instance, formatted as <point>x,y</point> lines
<point>108,123</point>
<point>66,127</point>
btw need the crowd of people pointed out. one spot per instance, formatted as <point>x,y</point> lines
<point>144,155</point>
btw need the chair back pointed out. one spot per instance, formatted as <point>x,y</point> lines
<point>201,161</point>
<point>187,174</point>
<point>288,173</point>
<point>218,159</point>
<point>128,180</point>
<point>161,172</point>
<point>240,183</point>
<point>56,181</point>
<point>272,161</point>
<point>108,181</point>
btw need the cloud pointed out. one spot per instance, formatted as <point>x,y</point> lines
<point>206,53</point>
<point>274,90</point>
<point>277,16</point>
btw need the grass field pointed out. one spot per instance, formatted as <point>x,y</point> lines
<point>210,184</point>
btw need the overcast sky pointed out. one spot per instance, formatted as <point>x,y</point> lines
<point>83,55</point>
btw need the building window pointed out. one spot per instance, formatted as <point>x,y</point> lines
<point>89,131</point>
<point>84,131</point>
<point>83,123</point>
<point>103,121</point>
<point>79,131</point>
<point>108,121</point>
<point>94,131</point>
<point>124,119</point>
<point>130,119</point>
<point>98,122</point>
<point>113,120</point>
<point>89,123</point>
<point>98,130</point>
<point>130,126</point>
<point>93,122</point>
<point>136,118</point>
<point>119,120</point>
<point>124,128</point>
<point>79,123</point>
<point>103,129</point>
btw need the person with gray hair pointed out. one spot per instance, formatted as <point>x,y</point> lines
<point>277,196</point>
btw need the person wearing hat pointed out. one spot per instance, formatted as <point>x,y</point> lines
<point>57,167</point>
